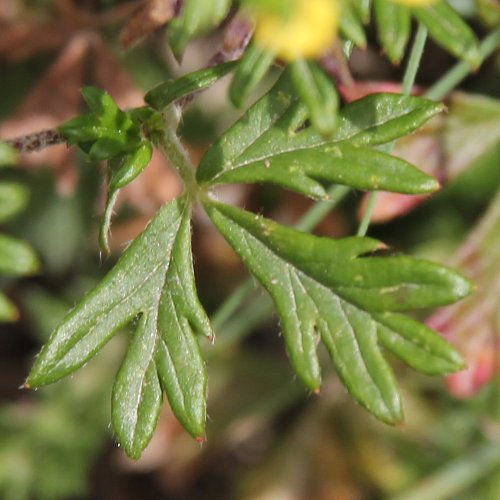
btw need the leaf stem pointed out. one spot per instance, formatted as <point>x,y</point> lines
<point>417,51</point>
<point>367,216</point>
<point>308,221</point>
<point>175,151</point>
<point>456,74</point>
<point>319,210</point>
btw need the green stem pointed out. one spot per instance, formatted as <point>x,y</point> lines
<point>456,74</point>
<point>231,304</point>
<point>417,51</point>
<point>367,216</point>
<point>411,69</point>
<point>319,210</point>
<point>308,221</point>
<point>456,476</point>
<point>175,151</point>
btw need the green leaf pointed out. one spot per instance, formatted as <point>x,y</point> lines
<point>8,311</point>
<point>337,291</point>
<point>351,25</point>
<point>250,70</point>
<point>105,132</point>
<point>417,345</point>
<point>196,18</point>
<point>363,8</point>
<point>448,29</point>
<point>124,169</point>
<point>305,171</point>
<point>318,93</point>
<point>13,198</point>
<point>8,155</point>
<point>100,103</point>
<point>171,90</point>
<point>131,165</point>
<point>394,24</point>
<point>16,257</point>
<point>276,125</point>
<point>154,282</point>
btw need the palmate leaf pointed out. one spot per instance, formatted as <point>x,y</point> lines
<point>271,143</point>
<point>351,300</point>
<point>153,284</point>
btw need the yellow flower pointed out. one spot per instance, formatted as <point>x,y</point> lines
<point>415,3</point>
<point>306,32</point>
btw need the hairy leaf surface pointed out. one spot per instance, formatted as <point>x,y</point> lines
<point>336,291</point>
<point>153,283</point>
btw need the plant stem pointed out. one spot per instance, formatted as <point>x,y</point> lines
<point>417,51</point>
<point>456,74</point>
<point>411,69</point>
<point>367,216</point>
<point>175,151</point>
<point>319,210</point>
<point>308,221</point>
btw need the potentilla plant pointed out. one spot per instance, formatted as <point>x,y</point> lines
<point>349,294</point>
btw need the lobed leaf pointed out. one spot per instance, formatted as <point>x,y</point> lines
<point>153,281</point>
<point>334,290</point>
<point>306,171</point>
<point>276,125</point>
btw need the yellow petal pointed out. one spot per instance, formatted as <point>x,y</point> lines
<point>307,32</point>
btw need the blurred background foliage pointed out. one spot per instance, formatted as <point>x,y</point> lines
<point>267,438</point>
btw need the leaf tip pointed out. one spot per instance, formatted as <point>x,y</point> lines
<point>316,391</point>
<point>200,439</point>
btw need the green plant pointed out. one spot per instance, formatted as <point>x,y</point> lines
<point>351,294</point>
